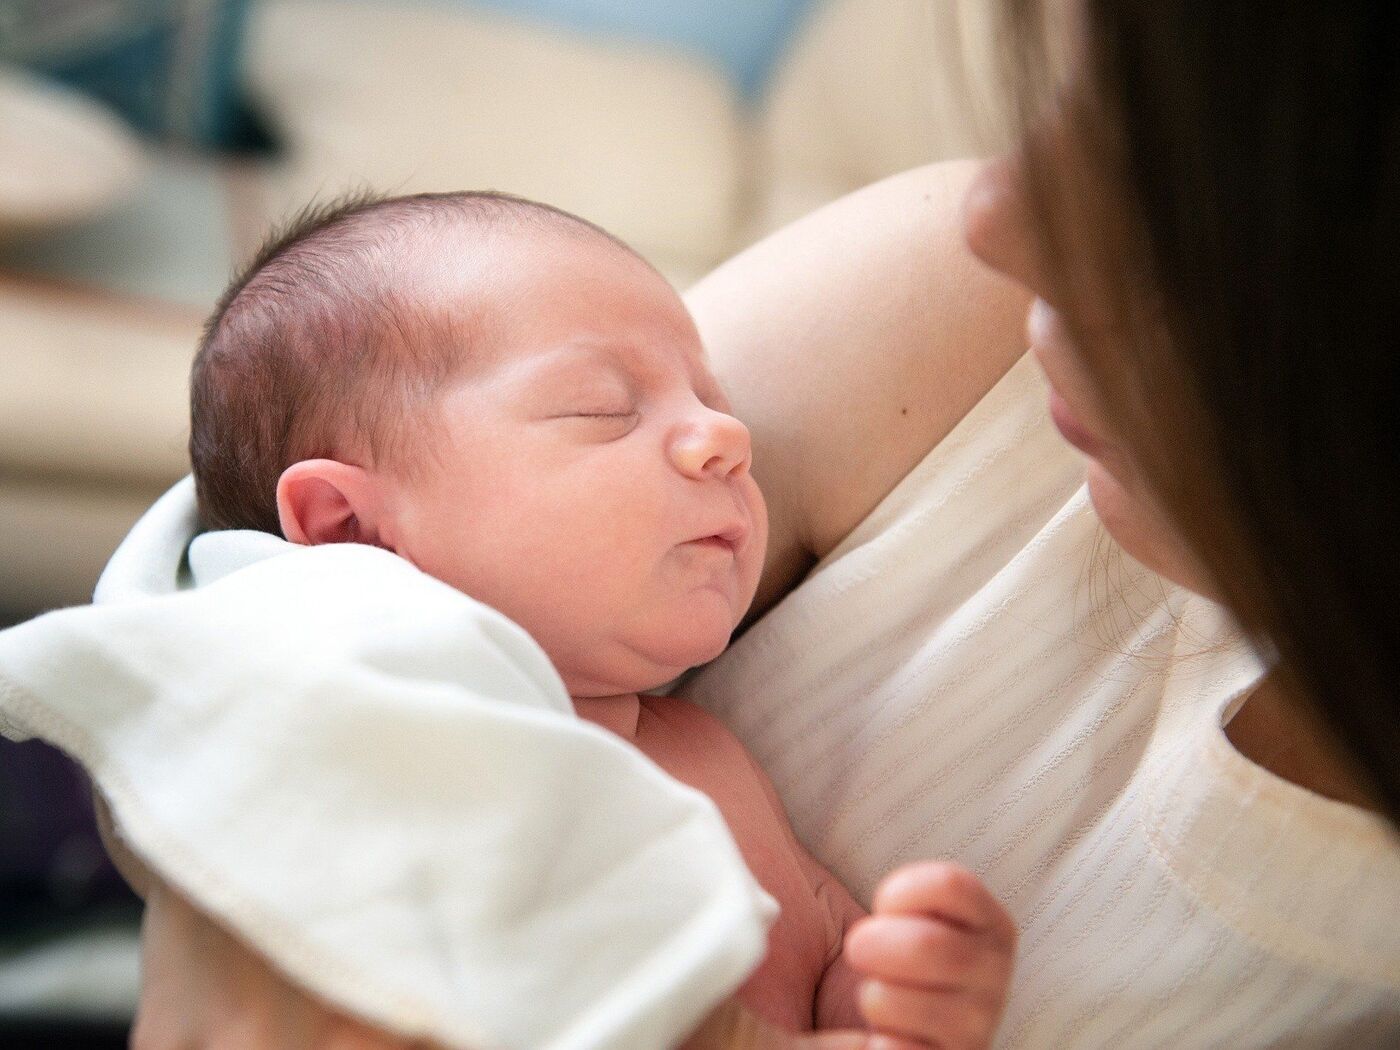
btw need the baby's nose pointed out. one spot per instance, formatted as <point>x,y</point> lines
<point>714,445</point>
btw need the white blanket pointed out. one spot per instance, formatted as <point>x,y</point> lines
<point>381,784</point>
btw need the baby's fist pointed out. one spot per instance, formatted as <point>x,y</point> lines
<point>937,951</point>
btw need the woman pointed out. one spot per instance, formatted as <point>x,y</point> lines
<point>1193,848</point>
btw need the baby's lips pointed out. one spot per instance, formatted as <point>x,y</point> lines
<point>715,541</point>
<point>735,534</point>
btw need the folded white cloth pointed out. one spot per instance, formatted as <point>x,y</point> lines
<point>381,784</point>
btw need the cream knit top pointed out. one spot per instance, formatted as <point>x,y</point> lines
<point>977,673</point>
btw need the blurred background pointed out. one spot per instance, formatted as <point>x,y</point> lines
<point>146,146</point>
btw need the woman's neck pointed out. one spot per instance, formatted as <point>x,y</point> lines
<point>1284,736</point>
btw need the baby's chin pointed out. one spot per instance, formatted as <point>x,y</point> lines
<point>701,639</point>
<point>640,664</point>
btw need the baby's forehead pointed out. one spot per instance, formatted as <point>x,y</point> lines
<point>565,298</point>
<point>512,266</point>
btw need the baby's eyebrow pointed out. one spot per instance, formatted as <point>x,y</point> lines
<point>573,359</point>
<point>631,367</point>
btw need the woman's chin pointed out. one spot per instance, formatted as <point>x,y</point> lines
<point>1140,528</point>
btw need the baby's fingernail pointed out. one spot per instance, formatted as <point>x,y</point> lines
<point>868,994</point>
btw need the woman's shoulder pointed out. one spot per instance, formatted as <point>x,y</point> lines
<point>860,334</point>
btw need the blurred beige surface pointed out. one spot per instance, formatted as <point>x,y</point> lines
<point>649,144</point>
<point>63,155</point>
<point>98,320</point>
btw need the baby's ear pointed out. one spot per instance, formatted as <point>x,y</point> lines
<point>325,501</point>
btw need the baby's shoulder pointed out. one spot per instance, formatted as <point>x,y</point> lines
<point>674,722</point>
<point>671,723</point>
<point>676,713</point>
<point>694,745</point>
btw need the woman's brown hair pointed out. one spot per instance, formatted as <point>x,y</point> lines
<point>1239,185</point>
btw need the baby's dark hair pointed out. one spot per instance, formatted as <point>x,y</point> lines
<point>319,348</point>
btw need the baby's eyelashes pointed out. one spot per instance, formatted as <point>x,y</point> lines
<point>607,424</point>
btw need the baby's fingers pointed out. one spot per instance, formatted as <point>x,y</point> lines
<point>925,952</point>
<point>947,892</point>
<point>942,1019</point>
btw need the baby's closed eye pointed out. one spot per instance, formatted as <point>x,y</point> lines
<point>589,402</point>
<point>601,421</point>
<point>620,413</point>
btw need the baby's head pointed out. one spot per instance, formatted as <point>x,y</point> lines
<point>504,395</point>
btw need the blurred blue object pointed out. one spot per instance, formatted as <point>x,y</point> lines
<point>52,863</point>
<point>743,37</point>
<point>170,67</point>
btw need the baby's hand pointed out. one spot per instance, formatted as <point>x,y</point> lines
<point>937,951</point>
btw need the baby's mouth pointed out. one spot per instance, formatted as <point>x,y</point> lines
<point>717,542</point>
<point>729,539</point>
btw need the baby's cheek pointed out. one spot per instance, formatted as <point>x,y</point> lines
<point>757,550</point>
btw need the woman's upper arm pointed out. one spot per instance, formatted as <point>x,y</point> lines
<point>851,342</point>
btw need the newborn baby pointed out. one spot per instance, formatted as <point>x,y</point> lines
<point>518,404</point>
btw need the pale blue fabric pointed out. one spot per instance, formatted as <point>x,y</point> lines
<point>169,67</point>
<point>742,37</point>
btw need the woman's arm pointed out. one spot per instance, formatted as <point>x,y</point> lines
<point>851,343</point>
<point>203,987</point>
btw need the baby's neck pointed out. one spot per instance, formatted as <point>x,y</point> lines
<point>618,714</point>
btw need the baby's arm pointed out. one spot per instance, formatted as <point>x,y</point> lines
<point>930,965</point>
<point>836,1003</point>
